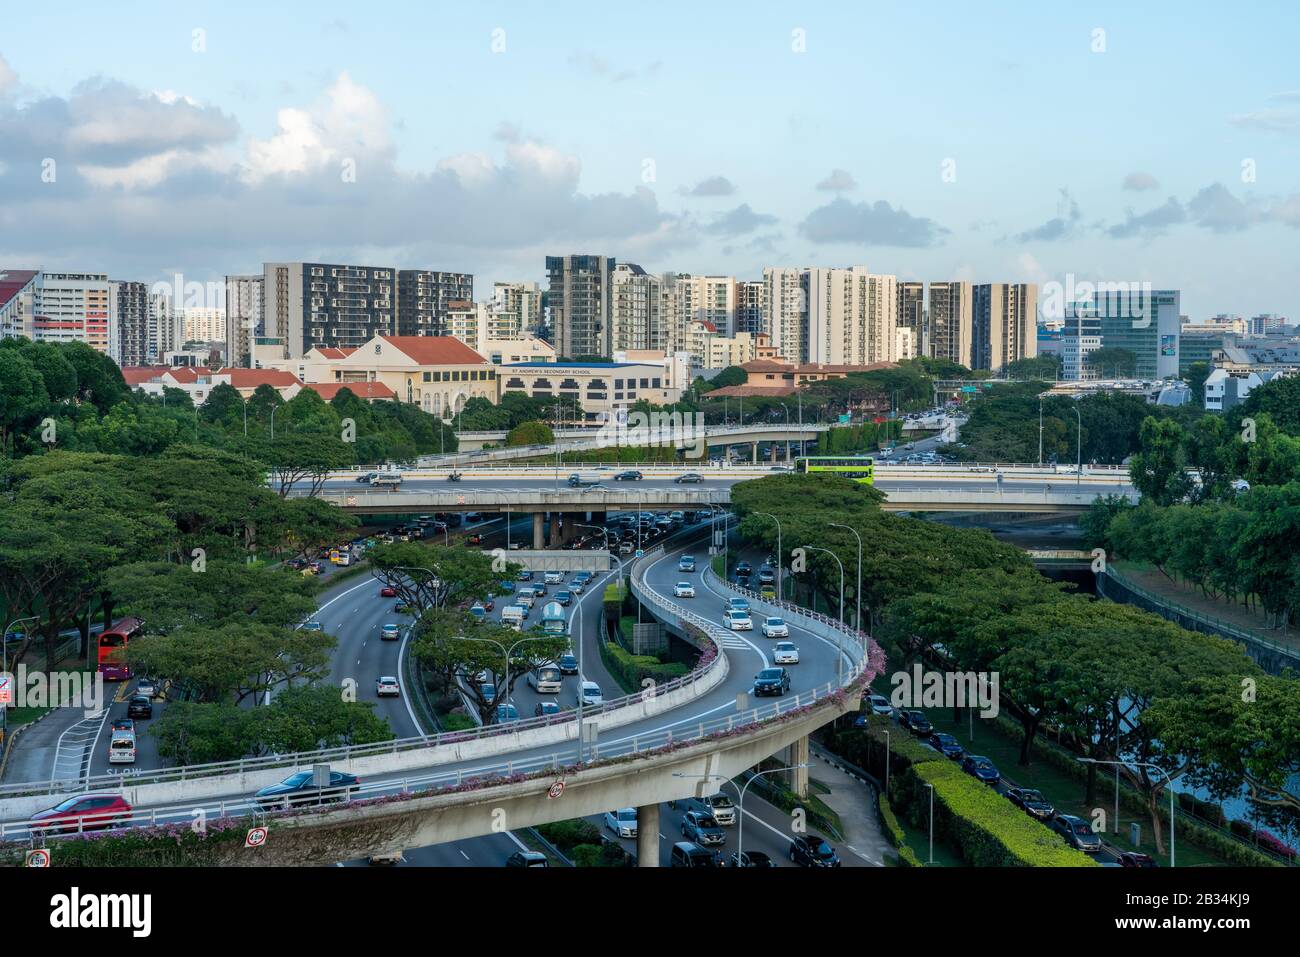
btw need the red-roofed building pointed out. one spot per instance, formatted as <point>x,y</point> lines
<point>369,391</point>
<point>246,381</point>
<point>16,288</point>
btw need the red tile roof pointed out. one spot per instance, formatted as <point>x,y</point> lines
<point>252,378</point>
<point>138,375</point>
<point>332,352</point>
<point>185,373</point>
<point>435,350</point>
<point>12,282</point>
<point>369,391</point>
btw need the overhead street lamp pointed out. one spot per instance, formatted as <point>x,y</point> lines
<point>4,708</point>
<point>857,594</point>
<point>1169,783</point>
<point>1078,446</point>
<point>740,810</point>
<point>506,654</point>
<point>931,787</point>
<point>273,408</point>
<point>839,635</point>
<point>612,554</point>
<point>779,591</point>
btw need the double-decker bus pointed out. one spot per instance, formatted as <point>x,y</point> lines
<point>112,649</point>
<point>861,468</point>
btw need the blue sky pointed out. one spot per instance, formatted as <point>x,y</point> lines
<point>681,136</point>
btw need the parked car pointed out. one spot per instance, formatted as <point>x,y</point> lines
<point>702,829</point>
<point>1076,832</point>
<point>527,859</point>
<point>683,590</point>
<point>299,788</point>
<point>775,628</point>
<point>785,653</point>
<point>82,812</point>
<point>916,722</point>
<point>946,744</point>
<point>880,705</point>
<point>771,681</point>
<point>622,822</point>
<point>981,768</point>
<point>808,850</point>
<point>387,687</point>
<point>1032,802</point>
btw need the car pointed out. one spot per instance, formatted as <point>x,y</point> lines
<point>505,713</point>
<point>630,475</point>
<point>389,632</point>
<point>589,694</point>
<point>90,811</point>
<point>766,576</point>
<point>738,620</point>
<point>717,806</point>
<point>981,768</point>
<point>478,611</point>
<point>385,859</point>
<point>1136,859</point>
<point>488,603</point>
<point>564,597</point>
<point>387,687</point>
<point>622,822</point>
<point>916,722</point>
<point>743,567</point>
<point>121,748</point>
<point>879,704</point>
<point>313,626</point>
<point>808,850</point>
<point>785,653</point>
<point>690,854</point>
<point>300,788</point>
<point>577,587</point>
<point>736,604</point>
<point>527,859</point>
<point>475,538</point>
<point>123,724</point>
<point>689,478</point>
<point>365,478</point>
<point>568,664</point>
<point>524,576</point>
<point>401,607</point>
<point>147,687</point>
<point>946,745</point>
<point>626,548</point>
<point>702,829</point>
<point>545,709</point>
<point>139,706</point>
<point>388,591</point>
<point>1076,832</point>
<point>775,628</point>
<point>771,681</point>
<point>752,859</point>
<point>686,563</point>
<point>553,577</point>
<point>539,589</point>
<point>1032,802</point>
<point>488,690</point>
<point>683,590</point>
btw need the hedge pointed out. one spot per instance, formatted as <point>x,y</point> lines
<point>568,835</point>
<point>894,833</point>
<point>986,828</point>
<point>630,670</point>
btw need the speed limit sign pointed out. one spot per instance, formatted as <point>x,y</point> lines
<point>256,837</point>
<point>556,789</point>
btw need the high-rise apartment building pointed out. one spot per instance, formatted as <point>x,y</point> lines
<point>516,309</point>
<point>950,322</point>
<point>313,305</point>
<point>911,314</point>
<point>204,324</point>
<point>166,326</point>
<point>581,302</point>
<point>129,317</point>
<point>785,301</point>
<point>243,317</point>
<point>17,293</point>
<point>73,307</point>
<point>749,306</point>
<point>1004,324</point>
<point>710,299</point>
<point>852,316</point>
<point>424,297</point>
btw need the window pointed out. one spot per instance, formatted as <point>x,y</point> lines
<point>428,377</point>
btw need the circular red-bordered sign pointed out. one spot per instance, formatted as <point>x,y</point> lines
<point>556,789</point>
<point>256,837</point>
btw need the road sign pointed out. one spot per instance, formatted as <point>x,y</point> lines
<point>556,789</point>
<point>6,690</point>
<point>37,858</point>
<point>256,837</point>
<point>639,553</point>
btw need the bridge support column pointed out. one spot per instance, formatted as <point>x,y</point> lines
<point>555,530</point>
<point>787,451</point>
<point>797,753</point>
<point>538,541</point>
<point>647,836</point>
<point>754,454</point>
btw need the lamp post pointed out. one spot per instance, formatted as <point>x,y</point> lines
<point>886,730</point>
<point>1040,430</point>
<point>273,408</point>
<point>1078,448</point>
<point>605,532</point>
<point>1169,783</point>
<point>839,635</point>
<point>857,595</point>
<point>4,708</point>
<point>931,787</point>
<point>507,654</point>
<point>740,791</point>
<point>779,591</point>
<point>582,678</point>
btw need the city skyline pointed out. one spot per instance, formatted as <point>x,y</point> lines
<point>205,147</point>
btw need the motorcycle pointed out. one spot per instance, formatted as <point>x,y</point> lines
<point>453,477</point>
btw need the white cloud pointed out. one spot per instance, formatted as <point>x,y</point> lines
<point>1139,181</point>
<point>8,78</point>
<point>839,181</point>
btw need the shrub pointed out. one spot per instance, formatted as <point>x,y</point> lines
<point>568,835</point>
<point>630,670</point>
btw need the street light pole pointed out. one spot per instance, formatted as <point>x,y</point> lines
<point>931,787</point>
<point>839,635</point>
<point>858,593</point>
<point>507,654</point>
<point>4,668</point>
<point>273,408</point>
<point>1169,782</point>
<point>1040,430</point>
<point>1078,446</point>
<point>780,592</point>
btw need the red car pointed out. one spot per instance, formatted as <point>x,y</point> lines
<point>83,811</point>
<point>488,604</point>
<point>474,538</point>
<point>388,591</point>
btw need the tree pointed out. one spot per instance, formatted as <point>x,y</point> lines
<point>22,396</point>
<point>731,375</point>
<point>1112,362</point>
<point>1279,400</point>
<point>296,456</point>
<point>530,433</point>
<point>312,717</point>
<point>1195,375</point>
<point>435,576</point>
<point>1159,470</point>
<point>1044,367</point>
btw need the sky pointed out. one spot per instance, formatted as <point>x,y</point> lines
<point>947,140</point>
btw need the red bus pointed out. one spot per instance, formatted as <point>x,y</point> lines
<point>112,649</point>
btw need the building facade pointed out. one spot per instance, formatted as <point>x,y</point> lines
<point>424,298</point>
<point>308,305</point>
<point>950,313</point>
<point>244,296</point>
<point>580,297</point>
<point>129,315</point>
<point>1004,324</point>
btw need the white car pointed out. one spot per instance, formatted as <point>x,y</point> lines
<point>622,822</point>
<point>739,620</point>
<point>389,633</point>
<point>589,694</point>
<point>880,705</point>
<point>775,628</point>
<point>785,653</point>
<point>554,578</point>
<point>387,687</point>
<point>684,590</point>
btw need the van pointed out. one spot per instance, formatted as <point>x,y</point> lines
<point>526,599</point>
<point>387,480</point>
<point>121,748</point>
<point>690,854</point>
<point>546,679</point>
<point>514,615</point>
<point>717,806</point>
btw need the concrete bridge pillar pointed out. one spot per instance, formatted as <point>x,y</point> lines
<point>754,454</point>
<point>787,450</point>
<point>538,541</point>
<point>555,530</point>
<point>797,779</point>
<point>647,836</point>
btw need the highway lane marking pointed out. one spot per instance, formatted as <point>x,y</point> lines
<point>410,712</point>
<point>731,634</point>
<point>463,854</point>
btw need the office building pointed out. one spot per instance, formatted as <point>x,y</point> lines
<point>424,298</point>
<point>580,296</point>
<point>1146,323</point>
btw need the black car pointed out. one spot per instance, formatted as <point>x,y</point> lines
<point>809,851</point>
<point>139,706</point>
<point>568,665</point>
<point>631,475</point>
<point>743,568</point>
<point>367,477</point>
<point>916,722</point>
<point>527,859</point>
<point>1136,859</point>
<point>564,597</point>
<point>1032,802</point>
<point>946,744</point>
<point>771,681</point>
<point>689,477</point>
<point>299,789</point>
<point>752,859</point>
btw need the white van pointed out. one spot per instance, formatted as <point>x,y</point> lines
<point>526,599</point>
<point>121,748</point>
<point>513,615</point>
<point>553,578</point>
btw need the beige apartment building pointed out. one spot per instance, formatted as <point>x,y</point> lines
<point>950,321</point>
<point>1004,324</point>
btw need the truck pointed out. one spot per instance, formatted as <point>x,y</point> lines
<point>514,616</point>
<point>583,480</point>
<point>387,480</point>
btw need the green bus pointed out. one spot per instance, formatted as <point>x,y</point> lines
<point>859,467</point>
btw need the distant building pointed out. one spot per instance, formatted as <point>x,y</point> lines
<point>424,298</point>
<point>243,317</point>
<point>308,305</point>
<point>17,293</point>
<point>950,322</point>
<point>581,302</point>
<point>597,389</point>
<point>1004,324</point>
<point>205,324</point>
